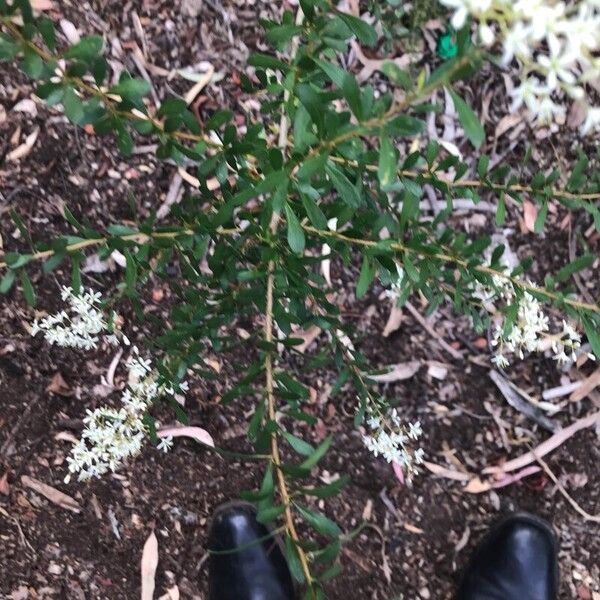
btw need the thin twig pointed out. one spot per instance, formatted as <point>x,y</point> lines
<point>563,491</point>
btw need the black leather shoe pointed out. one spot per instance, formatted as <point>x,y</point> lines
<point>517,560</point>
<point>249,569</point>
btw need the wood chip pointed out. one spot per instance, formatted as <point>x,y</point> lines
<point>25,148</point>
<point>586,386</point>
<point>148,567</point>
<point>397,372</point>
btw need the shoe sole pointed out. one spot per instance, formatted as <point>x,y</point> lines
<point>275,536</point>
<point>526,518</point>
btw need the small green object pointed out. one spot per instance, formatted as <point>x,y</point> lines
<point>446,47</point>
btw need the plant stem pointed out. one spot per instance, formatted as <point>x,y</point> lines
<point>399,247</point>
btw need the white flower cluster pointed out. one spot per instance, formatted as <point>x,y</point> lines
<point>80,325</point>
<point>530,331</point>
<point>391,438</point>
<point>556,44</point>
<point>112,435</point>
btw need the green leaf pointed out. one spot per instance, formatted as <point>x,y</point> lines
<point>314,213</point>
<point>501,211</point>
<point>8,49</point>
<point>53,262</point>
<point>130,273</point>
<point>580,263</point>
<point>7,281</point>
<point>28,290</point>
<point>87,49</point>
<point>131,88</point>
<point>32,64</point>
<point>540,219</point>
<point>46,28</point>
<point>319,522</point>
<point>351,93</point>
<point>346,189</point>
<point>293,560</point>
<point>318,454</point>
<point>299,445</point>
<point>593,335</point>
<point>295,233</point>
<point>362,30</point>
<point>387,162</point>
<point>334,72</point>
<point>396,75</point>
<point>269,513</point>
<point>468,119</point>
<point>73,106</point>
<point>367,274</point>
<point>405,125</point>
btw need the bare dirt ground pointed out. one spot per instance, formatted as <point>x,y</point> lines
<point>418,538</point>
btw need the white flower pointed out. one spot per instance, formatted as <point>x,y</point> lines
<point>166,443</point>
<point>112,435</point>
<point>592,121</point>
<point>486,34</point>
<point>464,8</point>
<point>517,43</point>
<point>558,66</point>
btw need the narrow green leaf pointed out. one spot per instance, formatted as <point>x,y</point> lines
<point>361,29</point>
<point>7,281</point>
<point>318,454</point>
<point>346,189</point>
<point>295,233</point>
<point>299,445</point>
<point>319,521</point>
<point>387,162</point>
<point>593,335</point>
<point>88,48</point>
<point>468,119</point>
<point>28,290</point>
<point>367,274</point>
<point>580,263</point>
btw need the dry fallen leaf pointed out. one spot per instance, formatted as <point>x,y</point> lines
<point>25,148</point>
<point>70,31</point>
<point>308,336</point>
<point>59,386</point>
<point>196,433</point>
<point>42,4</point>
<point>148,567</point>
<point>4,486</point>
<point>394,321</point>
<point>55,496</point>
<point>397,372</point>
<point>172,594</point>
<point>529,215</point>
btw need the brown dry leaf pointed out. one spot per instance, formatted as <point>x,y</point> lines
<point>172,594</point>
<point>413,528</point>
<point>398,372</point>
<point>394,321</point>
<point>506,123</point>
<point>201,83</point>
<point>4,486</point>
<point>587,386</point>
<point>476,486</point>
<point>55,496</point>
<point>308,336</point>
<point>59,386</point>
<point>42,4</point>
<point>529,215</point>
<point>25,148</point>
<point>447,473</point>
<point>148,567</point>
<point>196,433</point>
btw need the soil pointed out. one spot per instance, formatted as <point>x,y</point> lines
<point>417,538</point>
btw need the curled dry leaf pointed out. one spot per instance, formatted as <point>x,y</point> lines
<point>55,496</point>
<point>148,567</point>
<point>25,148</point>
<point>529,215</point>
<point>394,321</point>
<point>397,372</point>
<point>196,433</point>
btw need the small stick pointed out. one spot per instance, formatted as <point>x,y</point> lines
<point>425,325</point>
<point>561,489</point>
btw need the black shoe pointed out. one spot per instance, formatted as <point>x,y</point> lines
<point>255,570</point>
<point>518,560</point>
